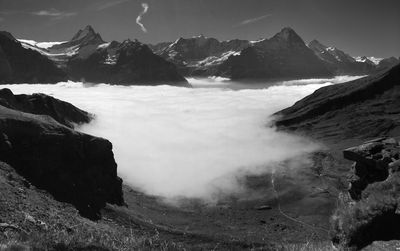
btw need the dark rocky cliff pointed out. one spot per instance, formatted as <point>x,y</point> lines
<point>74,167</point>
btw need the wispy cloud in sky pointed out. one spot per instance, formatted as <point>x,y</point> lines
<point>253,20</point>
<point>139,18</point>
<point>110,4</point>
<point>54,14</point>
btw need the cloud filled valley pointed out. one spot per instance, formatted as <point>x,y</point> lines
<point>189,142</point>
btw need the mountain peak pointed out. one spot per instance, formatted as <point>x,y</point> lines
<point>288,34</point>
<point>87,32</point>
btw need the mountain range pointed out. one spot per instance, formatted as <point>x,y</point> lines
<point>87,57</point>
<point>285,55</point>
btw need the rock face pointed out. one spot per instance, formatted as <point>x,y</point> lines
<point>372,213</point>
<point>341,63</point>
<point>284,56</point>
<point>363,108</point>
<point>42,104</point>
<point>21,65</point>
<point>72,166</point>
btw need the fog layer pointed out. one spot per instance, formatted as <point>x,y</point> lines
<point>176,142</point>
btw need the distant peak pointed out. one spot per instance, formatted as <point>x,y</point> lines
<point>287,29</point>
<point>288,34</point>
<point>87,32</point>
<point>89,27</point>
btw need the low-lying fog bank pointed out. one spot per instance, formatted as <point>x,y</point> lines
<point>174,142</point>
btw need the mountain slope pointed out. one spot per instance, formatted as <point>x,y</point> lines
<point>362,108</point>
<point>283,56</point>
<point>21,65</point>
<point>339,62</point>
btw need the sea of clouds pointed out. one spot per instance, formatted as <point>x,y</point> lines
<point>189,142</point>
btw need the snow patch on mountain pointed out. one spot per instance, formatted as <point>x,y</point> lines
<point>102,46</point>
<point>364,59</point>
<point>214,60</point>
<point>42,45</point>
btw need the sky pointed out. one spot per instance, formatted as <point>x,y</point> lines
<point>359,27</point>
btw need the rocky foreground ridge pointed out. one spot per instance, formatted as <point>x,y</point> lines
<point>370,211</point>
<point>37,140</point>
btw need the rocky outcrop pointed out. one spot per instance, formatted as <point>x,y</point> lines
<point>42,104</point>
<point>373,161</point>
<point>74,167</point>
<point>284,56</point>
<point>372,212</point>
<point>363,108</point>
<point>21,65</point>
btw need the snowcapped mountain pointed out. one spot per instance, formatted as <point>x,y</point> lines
<point>198,55</point>
<point>284,56</point>
<point>88,57</point>
<point>124,63</point>
<point>340,62</point>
